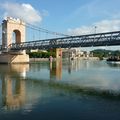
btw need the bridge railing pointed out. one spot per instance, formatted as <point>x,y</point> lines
<point>39,44</point>
<point>100,39</point>
<point>111,38</point>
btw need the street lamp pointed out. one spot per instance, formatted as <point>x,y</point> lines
<point>95,29</point>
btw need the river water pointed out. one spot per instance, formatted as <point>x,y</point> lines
<point>61,90</point>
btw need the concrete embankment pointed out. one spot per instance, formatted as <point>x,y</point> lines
<point>47,59</point>
<point>38,59</point>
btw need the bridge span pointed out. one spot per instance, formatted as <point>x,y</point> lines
<point>99,39</point>
<point>16,52</point>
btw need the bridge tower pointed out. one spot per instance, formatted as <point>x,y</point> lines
<point>13,31</point>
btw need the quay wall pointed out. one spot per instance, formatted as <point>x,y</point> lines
<point>47,59</point>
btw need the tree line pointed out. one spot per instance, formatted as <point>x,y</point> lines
<point>102,53</point>
<point>41,54</point>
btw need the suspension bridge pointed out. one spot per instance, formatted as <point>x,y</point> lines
<point>57,41</point>
<point>100,39</point>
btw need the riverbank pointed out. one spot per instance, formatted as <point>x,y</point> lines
<point>38,59</point>
<point>47,59</point>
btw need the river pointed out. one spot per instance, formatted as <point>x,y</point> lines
<point>60,90</point>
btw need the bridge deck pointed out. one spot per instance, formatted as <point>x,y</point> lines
<point>99,39</point>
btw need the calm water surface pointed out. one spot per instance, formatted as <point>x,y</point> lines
<point>62,90</point>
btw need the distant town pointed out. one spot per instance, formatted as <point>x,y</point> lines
<point>74,53</point>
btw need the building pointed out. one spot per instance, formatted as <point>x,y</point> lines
<point>72,53</point>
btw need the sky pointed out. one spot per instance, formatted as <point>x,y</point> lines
<point>73,17</point>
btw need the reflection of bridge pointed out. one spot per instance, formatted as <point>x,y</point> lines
<point>56,70</point>
<point>19,46</point>
<point>14,84</point>
<point>13,90</point>
<point>18,92</point>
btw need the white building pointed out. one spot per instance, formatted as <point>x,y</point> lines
<point>72,53</point>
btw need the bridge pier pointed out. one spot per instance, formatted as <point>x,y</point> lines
<point>58,53</point>
<point>13,58</point>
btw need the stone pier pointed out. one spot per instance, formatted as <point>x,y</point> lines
<point>13,58</point>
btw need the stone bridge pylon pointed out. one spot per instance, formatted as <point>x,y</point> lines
<point>13,31</point>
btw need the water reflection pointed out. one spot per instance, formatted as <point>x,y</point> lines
<point>113,64</point>
<point>88,75</point>
<point>74,65</point>
<point>25,88</point>
<point>13,85</point>
<point>18,70</point>
<point>56,70</point>
<point>13,92</point>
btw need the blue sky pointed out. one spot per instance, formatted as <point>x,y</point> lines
<point>66,16</point>
<point>62,15</point>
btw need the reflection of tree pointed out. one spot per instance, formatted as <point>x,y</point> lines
<point>56,69</point>
<point>113,64</point>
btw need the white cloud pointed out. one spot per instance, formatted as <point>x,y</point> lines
<point>23,11</point>
<point>102,26</point>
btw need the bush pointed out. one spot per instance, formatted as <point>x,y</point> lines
<point>41,54</point>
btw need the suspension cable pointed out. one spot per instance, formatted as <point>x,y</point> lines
<point>34,27</point>
<point>45,30</point>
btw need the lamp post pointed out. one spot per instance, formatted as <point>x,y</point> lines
<point>95,29</point>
